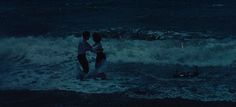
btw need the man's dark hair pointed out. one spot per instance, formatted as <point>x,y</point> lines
<point>86,34</point>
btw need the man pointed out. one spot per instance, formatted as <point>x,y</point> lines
<point>83,47</point>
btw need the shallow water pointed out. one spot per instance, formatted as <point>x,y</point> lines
<point>139,68</point>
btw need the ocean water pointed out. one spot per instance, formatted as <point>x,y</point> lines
<point>145,41</point>
<point>30,17</point>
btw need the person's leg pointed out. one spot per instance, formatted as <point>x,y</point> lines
<point>86,66</point>
<point>99,63</point>
<point>84,63</point>
<point>101,57</point>
<point>96,68</point>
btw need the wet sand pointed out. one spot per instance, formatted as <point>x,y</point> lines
<point>57,98</point>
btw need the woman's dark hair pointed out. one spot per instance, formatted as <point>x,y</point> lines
<point>97,37</point>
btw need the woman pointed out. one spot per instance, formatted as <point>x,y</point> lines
<point>101,56</point>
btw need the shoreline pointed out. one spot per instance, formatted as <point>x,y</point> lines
<point>60,98</point>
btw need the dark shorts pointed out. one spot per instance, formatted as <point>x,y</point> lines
<point>84,62</point>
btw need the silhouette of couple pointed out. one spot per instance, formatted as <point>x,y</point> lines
<point>84,47</point>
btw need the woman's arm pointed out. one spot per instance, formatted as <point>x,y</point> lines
<point>98,48</point>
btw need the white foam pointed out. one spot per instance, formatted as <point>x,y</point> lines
<point>192,52</point>
<point>45,51</point>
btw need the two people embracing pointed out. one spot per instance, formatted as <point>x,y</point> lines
<point>97,48</point>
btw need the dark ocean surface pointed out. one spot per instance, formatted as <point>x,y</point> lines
<point>32,17</point>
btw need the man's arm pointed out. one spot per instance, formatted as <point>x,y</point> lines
<point>89,47</point>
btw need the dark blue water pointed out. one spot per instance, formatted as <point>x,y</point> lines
<point>32,17</point>
<point>38,46</point>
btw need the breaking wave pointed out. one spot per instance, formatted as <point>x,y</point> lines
<point>135,66</point>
